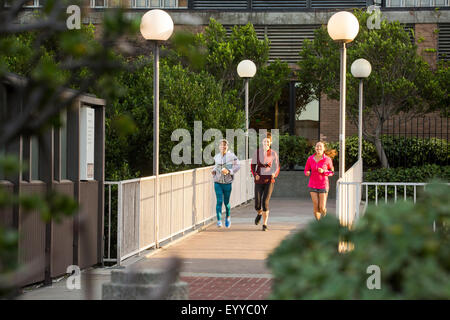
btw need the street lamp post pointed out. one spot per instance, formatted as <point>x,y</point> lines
<point>246,69</point>
<point>342,27</point>
<point>360,69</point>
<point>156,26</point>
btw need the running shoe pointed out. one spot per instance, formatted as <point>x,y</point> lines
<point>264,228</point>
<point>228,222</point>
<point>258,218</point>
<point>219,224</point>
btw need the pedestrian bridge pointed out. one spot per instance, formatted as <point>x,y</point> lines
<point>185,201</point>
<point>134,222</point>
<point>217,263</point>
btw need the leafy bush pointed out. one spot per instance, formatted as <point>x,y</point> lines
<point>399,238</point>
<point>400,151</point>
<point>411,152</point>
<point>293,151</point>
<point>414,174</point>
<point>369,153</point>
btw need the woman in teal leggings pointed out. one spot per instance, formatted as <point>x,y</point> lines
<point>226,165</point>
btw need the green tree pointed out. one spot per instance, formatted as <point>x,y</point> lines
<point>401,82</point>
<point>185,97</point>
<point>293,151</point>
<point>222,54</point>
<point>51,58</point>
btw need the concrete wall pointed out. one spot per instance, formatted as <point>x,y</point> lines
<point>182,16</point>
<point>294,184</point>
<point>201,17</point>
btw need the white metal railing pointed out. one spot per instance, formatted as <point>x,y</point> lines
<point>348,194</point>
<point>396,187</point>
<point>186,200</point>
<point>406,190</point>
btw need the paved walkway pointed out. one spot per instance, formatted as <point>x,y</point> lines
<point>218,263</point>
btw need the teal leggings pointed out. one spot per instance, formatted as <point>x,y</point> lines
<point>223,192</point>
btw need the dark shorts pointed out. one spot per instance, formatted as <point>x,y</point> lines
<point>318,190</point>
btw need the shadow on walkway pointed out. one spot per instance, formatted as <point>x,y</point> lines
<point>218,263</point>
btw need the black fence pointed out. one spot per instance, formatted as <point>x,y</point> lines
<point>417,141</point>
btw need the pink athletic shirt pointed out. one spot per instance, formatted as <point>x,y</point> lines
<point>319,180</point>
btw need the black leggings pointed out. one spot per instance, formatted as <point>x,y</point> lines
<point>263,192</point>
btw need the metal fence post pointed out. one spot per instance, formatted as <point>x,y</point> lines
<point>156,208</point>
<point>184,199</point>
<point>347,206</point>
<point>138,208</point>
<point>119,221</point>
<point>109,222</point>
<point>358,198</point>
<point>171,213</point>
<point>338,214</point>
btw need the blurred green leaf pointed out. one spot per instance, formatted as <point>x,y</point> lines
<point>399,238</point>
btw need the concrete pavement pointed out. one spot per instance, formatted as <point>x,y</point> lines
<point>218,263</point>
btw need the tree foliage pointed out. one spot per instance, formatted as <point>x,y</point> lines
<point>198,82</point>
<point>185,97</point>
<point>51,58</point>
<point>401,82</point>
<point>222,53</point>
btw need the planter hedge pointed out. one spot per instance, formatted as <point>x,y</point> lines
<point>293,151</point>
<point>415,174</point>
<point>399,239</point>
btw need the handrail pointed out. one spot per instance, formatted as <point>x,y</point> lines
<point>187,199</point>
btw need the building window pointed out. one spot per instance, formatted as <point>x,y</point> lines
<point>135,3</point>
<point>99,3</point>
<point>34,158</point>
<point>28,4</point>
<point>417,3</point>
<point>307,123</point>
<point>140,4</point>
<point>154,3</point>
<point>170,3</point>
<point>35,4</point>
<point>32,4</point>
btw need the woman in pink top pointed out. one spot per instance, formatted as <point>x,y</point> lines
<point>318,168</point>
